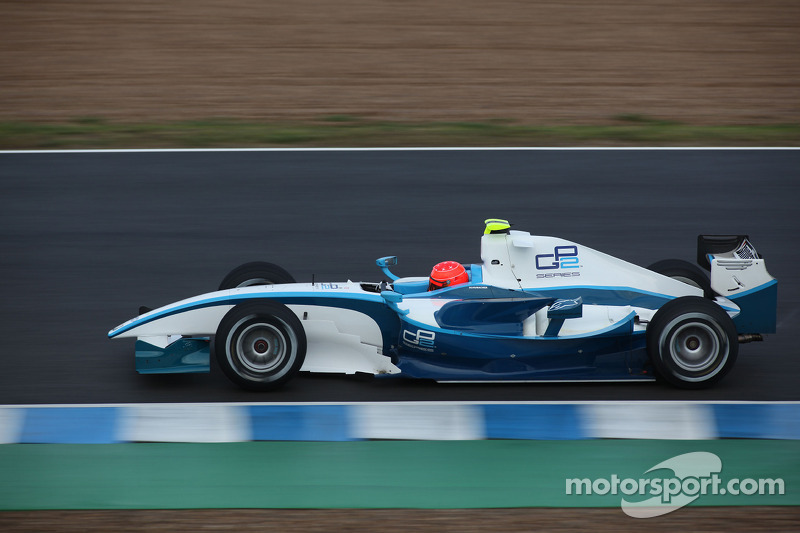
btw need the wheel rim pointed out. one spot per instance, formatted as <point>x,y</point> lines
<point>261,348</point>
<point>697,347</point>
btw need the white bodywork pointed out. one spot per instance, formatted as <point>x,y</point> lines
<point>342,341</point>
<point>339,340</point>
<point>519,260</point>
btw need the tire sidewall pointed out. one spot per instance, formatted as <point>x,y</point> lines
<point>684,321</point>
<point>683,271</point>
<point>247,321</point>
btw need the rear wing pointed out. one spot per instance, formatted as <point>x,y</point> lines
<point>738,273</point>
<point>720,244</point>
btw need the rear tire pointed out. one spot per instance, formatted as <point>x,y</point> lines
<point>692,342</point>
<point>686,272</point>
<point>255,273</point>
<point>260,346</point>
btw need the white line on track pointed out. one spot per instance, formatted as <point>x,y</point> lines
<point>407,149</point>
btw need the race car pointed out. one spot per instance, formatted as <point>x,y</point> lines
<point>535,309</point>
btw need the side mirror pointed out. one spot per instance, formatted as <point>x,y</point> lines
<point>384,263</point>
<point>388,261</point>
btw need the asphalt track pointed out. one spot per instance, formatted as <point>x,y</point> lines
<point>86,238</point>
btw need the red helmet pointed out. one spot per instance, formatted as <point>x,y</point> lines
<point>447,274</point>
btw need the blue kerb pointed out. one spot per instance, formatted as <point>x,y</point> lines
<point>70,425</point>
<point>100,425</point>
<point>758,421</point>
<point>300,423</point>
<point>533,422</point>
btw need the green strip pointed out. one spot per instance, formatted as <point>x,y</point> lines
<point>362,474</point>
<point>621,130</point>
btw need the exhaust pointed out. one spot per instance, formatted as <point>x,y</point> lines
<point>750,337</point>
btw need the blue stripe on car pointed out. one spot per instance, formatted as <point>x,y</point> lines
<point>607,295</point>
<point>610,330</point>
<point>235,299</point>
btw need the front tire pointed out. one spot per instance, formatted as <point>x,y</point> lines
<point>692,342</point>
<point>260,346</point>
<point>255,273</point>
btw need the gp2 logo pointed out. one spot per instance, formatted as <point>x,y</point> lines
<point>421,339</point>
<point>562,257</point>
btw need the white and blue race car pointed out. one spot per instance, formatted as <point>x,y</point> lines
<point>535,309</point>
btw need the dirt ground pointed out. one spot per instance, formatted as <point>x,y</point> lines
<point>547,62</point>
<point>697,519</point>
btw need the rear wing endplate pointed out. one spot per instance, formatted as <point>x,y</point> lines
<point>717,244</point>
